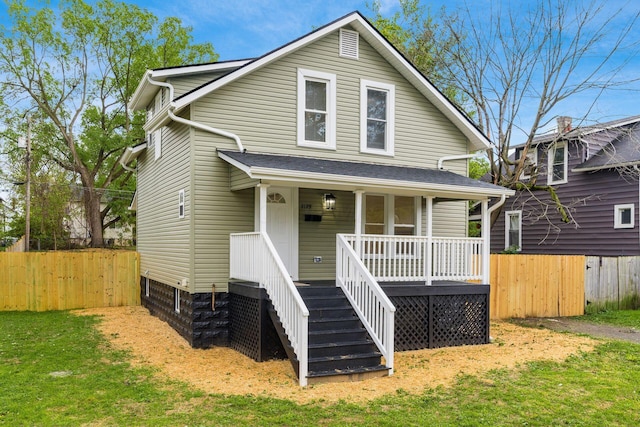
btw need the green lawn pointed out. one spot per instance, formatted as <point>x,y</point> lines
<point>629,318</point>
<point>56,370</point>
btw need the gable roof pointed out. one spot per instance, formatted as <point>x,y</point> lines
<point>623,151</point>
<point>584,131</point>
<point>347,175</point>
<point>367,31</point>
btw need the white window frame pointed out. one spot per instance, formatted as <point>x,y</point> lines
<point>617,216</point>
<point>305,75</point>
<point>365,85</point>
<point>181,204</point>
<point>507,222</point>
<point>551,156</point>
<point>176,300</point>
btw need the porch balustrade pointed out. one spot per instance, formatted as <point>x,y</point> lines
<point>419,258</point>
<point>254,258</point>
<point>367,298</point>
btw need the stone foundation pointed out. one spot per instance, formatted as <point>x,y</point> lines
<point>202,325</point>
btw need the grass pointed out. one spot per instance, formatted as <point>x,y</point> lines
<point>93,384</point>
<point>630,318</point>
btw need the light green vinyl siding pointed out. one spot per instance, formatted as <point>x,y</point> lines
<point>261,109</point>
<point>319,238</point>
<point>450,219</point>
<point>163,238</point>
<point>219,212</point>
<point>184,84</point>
<point>240,180</point>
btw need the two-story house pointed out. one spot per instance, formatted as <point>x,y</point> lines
<point>594,171</point>
<point>296,195</point>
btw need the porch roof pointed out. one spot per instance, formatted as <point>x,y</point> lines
<point>345,175</point>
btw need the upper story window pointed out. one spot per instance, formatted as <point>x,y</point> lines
<point>530,162</point>
<point>557,168</point>
<point>316,109</point>
<point>377,113</point>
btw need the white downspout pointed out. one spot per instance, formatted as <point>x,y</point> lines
<point>457,157</point>
<point>191,123</point>
<point>486,236</point>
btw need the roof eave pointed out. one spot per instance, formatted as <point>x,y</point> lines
<point>475,137</point>
<point>608,166</point>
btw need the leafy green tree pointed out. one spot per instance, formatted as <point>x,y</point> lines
<point>74,71</point>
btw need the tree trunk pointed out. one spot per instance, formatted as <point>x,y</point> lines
<point>92,214</point>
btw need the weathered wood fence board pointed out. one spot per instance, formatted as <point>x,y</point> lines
<point>537,285</point>
<point>612,282</point>
<point>61,280</point>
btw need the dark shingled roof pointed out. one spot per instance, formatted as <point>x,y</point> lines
<point>358,169</point>
<point>624,150</point>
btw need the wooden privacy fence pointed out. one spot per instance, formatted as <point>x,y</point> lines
<point>64,280</point>
<point>612,282</point>
<point>537,285</point>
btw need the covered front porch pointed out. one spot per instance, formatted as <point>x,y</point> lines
<point>388,256</point>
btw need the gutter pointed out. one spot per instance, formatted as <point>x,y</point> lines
<point>457,157</point>
<point>191,123</point>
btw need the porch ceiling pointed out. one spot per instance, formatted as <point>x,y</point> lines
<point>349,176</point>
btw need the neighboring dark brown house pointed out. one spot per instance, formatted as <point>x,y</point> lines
<point>594,170</point>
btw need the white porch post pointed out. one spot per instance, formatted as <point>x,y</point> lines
<point>358,220</point>
<point>428,259</point>
<point>261,224</point>
<point>486,232</point>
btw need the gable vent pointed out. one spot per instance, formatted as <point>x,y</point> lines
<point>349,44</point>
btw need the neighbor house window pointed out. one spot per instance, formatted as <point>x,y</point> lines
<point>513,230</point>
<point>181,204</point>
<point>557,173</point>
<point>530,162</point>
<point>316,109</point>
<point>176,300</point>
<point>624,216</point>
<point>377,112</point>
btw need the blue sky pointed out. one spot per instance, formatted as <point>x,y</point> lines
<point>241,29</point>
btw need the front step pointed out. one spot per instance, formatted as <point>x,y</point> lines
<point>340,348</point>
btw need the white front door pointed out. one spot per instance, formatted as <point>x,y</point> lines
<point>282,225</point>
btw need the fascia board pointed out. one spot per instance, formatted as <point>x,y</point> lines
<point>198,69</point>
<point>135,101</point>
<point>477,139</point>
<point>340,180</point>
<point>610,166</point>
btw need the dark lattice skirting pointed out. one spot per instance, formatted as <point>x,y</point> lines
<point>439,315</point>
<point>251,330</point>
<point>200,324</point>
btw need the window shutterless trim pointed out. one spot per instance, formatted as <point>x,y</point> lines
<point>305,75</point>
<point>550,162</point>
<point>617,216</point>
<point>507,221</point>
<point>365,86</point>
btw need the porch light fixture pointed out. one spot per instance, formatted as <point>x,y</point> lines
<point>329,201</point>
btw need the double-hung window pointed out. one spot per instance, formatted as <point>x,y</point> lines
<point>377,115</point>
<point>513,230</point>
<point>557,168</point>
<point>316,109</point>
<point>530,162</point>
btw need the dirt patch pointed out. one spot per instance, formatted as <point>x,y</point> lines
<point>222,370</point>
<point>566,324</point>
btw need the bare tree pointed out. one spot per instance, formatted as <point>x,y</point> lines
<point>516,62</point>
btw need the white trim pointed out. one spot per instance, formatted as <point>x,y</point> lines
<point>330,130</point>
<point>477,139</point>
<point>181,204</point>
<point>617,219</point>
<point>550,158</point>
<point>507,222</point>
<point>390,90</point>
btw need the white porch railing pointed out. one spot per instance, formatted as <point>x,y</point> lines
<point>408,258</point>
<point>367,298</point>
<point>253,257</point>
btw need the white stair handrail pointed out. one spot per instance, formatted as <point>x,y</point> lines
<point>371,304</point>
<point>253,257</point>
